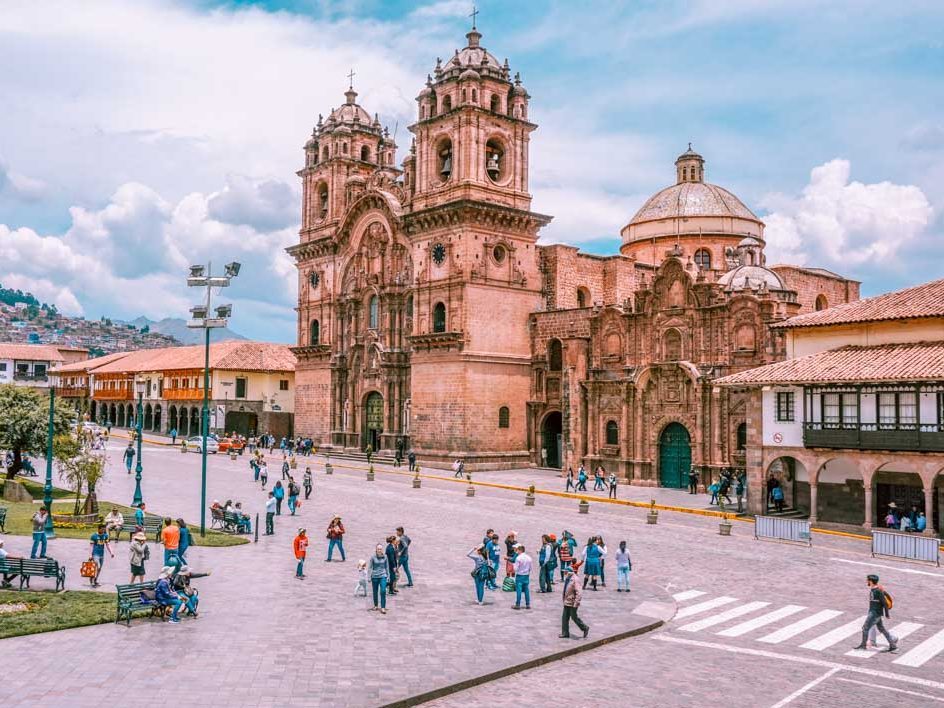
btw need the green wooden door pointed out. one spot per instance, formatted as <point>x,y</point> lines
<point>373,420</point>
<point>675,456</point>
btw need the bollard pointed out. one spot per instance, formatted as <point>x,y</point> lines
<point>584,506</point>
<point>470,491</point>
<point>653,516</point>
<point>529,497</point>
<point>328,468</point>
<point>724,527</point>
<point>256,540</point>
<point>370,473</point>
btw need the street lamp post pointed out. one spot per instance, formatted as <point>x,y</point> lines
<point>138,469</point>
<point>47,488</point>
<point>201,277</point>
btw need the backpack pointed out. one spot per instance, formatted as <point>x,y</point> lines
<point>147,553</point>
<point>508,584</point>
<point>888,599</point>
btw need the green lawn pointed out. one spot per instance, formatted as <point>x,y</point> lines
<point>51,611</point>
<point>36,488</point>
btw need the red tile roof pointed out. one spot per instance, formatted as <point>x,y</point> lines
<point>86,365</point>
<point>919,361</point>
<point>30,352</point>
<point>238,355</point>
<point>925,300</point>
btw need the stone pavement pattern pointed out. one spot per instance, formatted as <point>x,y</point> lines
<point>311,644</point>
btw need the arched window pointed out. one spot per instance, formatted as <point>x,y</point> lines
<point>821,303</point>
<point>612,433</point>
<point>503,417</point>
<point>322,201</point>
<point>583,297</point>
<point>365,154</point>
<point>373,316</point>
<point>742,436</point>
<point>314,338</point>
<point>324,153</point>
<point>344,148</point>
<point>555,355</point>
<point>446,104</point>
<point>439,317</point>
<point>475,96</point>
<point>496,104</point>
<point>672,345</point>
<point>703,258</point>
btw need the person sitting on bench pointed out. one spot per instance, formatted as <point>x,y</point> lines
<point>244,525</point>
<point>7,577</point>
<point>114,521</point>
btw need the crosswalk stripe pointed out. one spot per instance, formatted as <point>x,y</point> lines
<point>723,617</point>
<point>762,621</point>
<point>687,595</point>
<point>791,630</point>
<point>927,649</point>
<point>703,606</point>
<point>824,641</point>
<point>901,630</point>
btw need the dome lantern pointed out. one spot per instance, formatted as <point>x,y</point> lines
<point>690,167</point>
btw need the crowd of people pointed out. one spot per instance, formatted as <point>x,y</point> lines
<point>602,481</point>
<point>913,521</point>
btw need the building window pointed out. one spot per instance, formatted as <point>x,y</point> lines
<point>496,104</point>
<point>283,384</point>
<point>840,409</point>
<point>742,433</point>
<point>703,258</point>
<point>898,410</point>
<point>554,355</point>
<point>447,104</point>
<point>3,366</point>
<point>240,388</point>
<point>439,317</point>
<point>672,345</point>
<point>612,433</point>
<point>821,303</point>
<point>583,297</point>
<point>314,338</point>
<point>365,154</point>
<point>504,416</point>
<point>831,408</point>
<point>373,317</point>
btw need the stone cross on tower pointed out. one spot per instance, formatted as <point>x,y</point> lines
<point>473,14</point>
<point>350,78</point>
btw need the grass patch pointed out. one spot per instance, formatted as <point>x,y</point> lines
<point>36,488</point>
<point>53,611</point>
<point>19,523</point>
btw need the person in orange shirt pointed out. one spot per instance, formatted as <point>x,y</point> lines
<point>300,546</point>
<point>170,537</point>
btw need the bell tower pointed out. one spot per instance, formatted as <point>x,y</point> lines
<point>472,132</point>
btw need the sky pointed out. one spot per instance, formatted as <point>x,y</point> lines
<point>140,136</point>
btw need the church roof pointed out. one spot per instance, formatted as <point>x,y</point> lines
<point>751,277</point>
<point>688,199</point>
<point>350,115</point>
<point>475,57</point>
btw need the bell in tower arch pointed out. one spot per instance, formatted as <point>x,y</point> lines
<point>492,165</point>
<point>445,156</point>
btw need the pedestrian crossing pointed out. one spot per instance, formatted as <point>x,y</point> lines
<point>800,626</point>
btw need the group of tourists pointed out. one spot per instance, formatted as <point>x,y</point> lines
<point>720,491</point>
<point>913,521</point>
<point>287,445</point>
<point>383,570</point>
<point>602,482</point>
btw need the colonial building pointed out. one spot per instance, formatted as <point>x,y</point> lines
<point>428,312</point>
<point>854,420</point>
<point>29,364</point>
<point>251,388</point>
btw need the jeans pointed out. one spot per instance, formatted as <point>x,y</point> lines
<point>270,523</point>
<point>597,484</point>
<point>39,543</point>
<point>128,465</point>
<point>491,583</point>
<point>175,604</point>
<point>582,486</point>
<point>307,491</point>
<point>603,571</point>
<point>405,564</point>
<point>192,602</point>
<point>255,471</point>
<point>564,565</point>
<point>545,577</point>
<point>875,619</point>
<point>570,613</point>
<point>332,542</point>
<point>570,485</point>
<point>523,585</point>
<point>612,494</point>
<point>479,588</point>
<point>300,568</point>
<point>622,578</point>
<point>292,502</point>
<point>278,506</point>
<point>379,585</point>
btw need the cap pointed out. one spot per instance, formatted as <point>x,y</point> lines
<point>139,536</point>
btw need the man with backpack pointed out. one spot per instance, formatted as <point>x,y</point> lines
<point>880,602</point>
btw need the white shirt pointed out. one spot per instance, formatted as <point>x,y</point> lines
<point>523,564</point>
<point>270,505</point>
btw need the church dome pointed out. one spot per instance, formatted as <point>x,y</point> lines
<point>688,199</point>
<point>470,74</point>
<point>350,115</point>
<point>473,57</point>
<point>751,277</point>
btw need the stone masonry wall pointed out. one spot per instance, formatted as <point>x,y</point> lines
<point>810,284</point>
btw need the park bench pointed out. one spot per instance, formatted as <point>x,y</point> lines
<point>226,521</point>
<point>131,601</point>
<point>39,567</point>
<point>152,527</point>
<point>3,518</point>
<point>216,518</point>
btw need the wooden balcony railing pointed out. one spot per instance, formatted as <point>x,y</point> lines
<point>183,394</point>
<point>870,436</point>
<point>117,394</point>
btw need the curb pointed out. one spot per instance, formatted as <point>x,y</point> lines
<point>517,668</point>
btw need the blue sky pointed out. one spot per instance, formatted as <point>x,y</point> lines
<point>140,136</point>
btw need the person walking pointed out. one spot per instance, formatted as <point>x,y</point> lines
<point>138,553</point>
<point>336,539</point>
<point>270,515</point>
<point>598,475</point>
<point>879,604</point>
<point>570,487</point>
<point>591,556</point>
<point>170,537</point>
<point>293,492</point>
<point>545,571</point>
<point>739,491</point>
<point>456,468</point>
<point>285,467</point>
<point>173,436</point>
<point>777,494</point>
<point>390,551</point>
<point>480,573</point>
<point>378,571</point>
<point>611,484</point>
<point>398,454</point>
<point>129,456</point>
<point>98,543</point>
<point>623,566</point>
<point>369,451</point>
<point>263,473</point>
<point>39,533</point>
<point>581,479</point>
<point>306,482</point>
<point>186,540</point>
<point>279,491</point>
<point>565,552</point>
<point>523,566</point>
<point>300,546</point>
<point>403,549</point>
<point>572,596</point>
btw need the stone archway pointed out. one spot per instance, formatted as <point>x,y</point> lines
<point>172,419</point>
<point>794,478</point>
<point>157,418</point>
<point>551,440</point>
<point>899,489</point>
<point>675,456</point>
<point>843,492</point>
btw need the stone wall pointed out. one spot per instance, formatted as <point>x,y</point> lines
<point>312,403</point>
<point>607,279</point>
<point>810,284</point>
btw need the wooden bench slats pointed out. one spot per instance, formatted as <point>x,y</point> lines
<point>130,601</point>
<point>26,568</point>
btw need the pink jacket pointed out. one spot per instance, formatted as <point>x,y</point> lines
<point>572,591</point>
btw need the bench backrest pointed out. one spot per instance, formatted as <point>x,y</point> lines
<point>216,513</point>
<point>231,516</point>
<point>133,592</point>
<point>30,566</point>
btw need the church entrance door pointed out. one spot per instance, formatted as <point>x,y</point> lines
<point>551,452</point>
<point>675,456</point>
<point>373,421</point>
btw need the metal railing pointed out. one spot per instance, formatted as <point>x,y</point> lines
<point>911,546</point>
<point>779,529</point>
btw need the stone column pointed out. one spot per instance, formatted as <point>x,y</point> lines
<point>868,504</point>
<point>929,511</point>
<point>813,490</point>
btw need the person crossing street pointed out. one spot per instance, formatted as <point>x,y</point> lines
<point>880,603</point>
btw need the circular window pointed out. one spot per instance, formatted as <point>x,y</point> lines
<point>499,253</point>
<point>439,254</point>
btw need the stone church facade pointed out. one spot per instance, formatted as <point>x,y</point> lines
<point>428,313</point>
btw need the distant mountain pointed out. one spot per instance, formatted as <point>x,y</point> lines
<point>177,328</point>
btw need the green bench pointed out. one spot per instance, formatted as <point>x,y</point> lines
<point>130,600</point>
<point>3,518</point>
<point>26,568</point>
<point>226,521</point>
<point>152,527</point>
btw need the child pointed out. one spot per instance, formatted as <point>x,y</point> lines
<point>361,587</point>
<point>300,547</point>
<point>264,474</point>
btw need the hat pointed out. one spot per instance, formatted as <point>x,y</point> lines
<point>185,570</point>
<point>139,536</point>
<point>166,570</point>
<point>301,531</point>
<point>892,505</point>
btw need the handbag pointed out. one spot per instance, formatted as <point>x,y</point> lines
<point>88,569</point>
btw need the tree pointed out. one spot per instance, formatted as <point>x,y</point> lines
<point>80,466</point>
<point>24,420</point>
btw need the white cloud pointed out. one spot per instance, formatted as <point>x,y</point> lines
<point>19,186</point>
<point>264,205</point>
<point>840,223</point>
<point>45,291</point>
